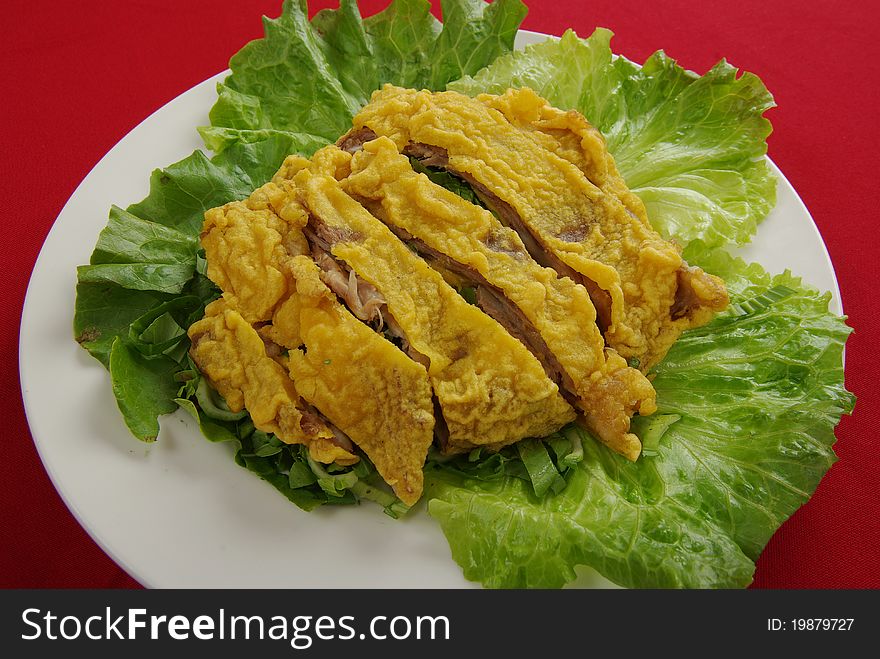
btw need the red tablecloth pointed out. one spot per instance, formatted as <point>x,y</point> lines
<point>77,76</point>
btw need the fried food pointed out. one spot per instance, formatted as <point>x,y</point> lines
<point>246,250</point>
<point>552,315</point>
<point>491,389</point>
<point>230,353</point>
<point>341,325</point>
<point>363,389</point>
<point>363,384</point>
<point>644,293</point>
<point>248,246</point>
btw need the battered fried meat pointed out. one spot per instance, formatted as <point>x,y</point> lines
<point>230,353</point>
<point>491,389</point>
<point>569,222</point>
<point>550,315</point>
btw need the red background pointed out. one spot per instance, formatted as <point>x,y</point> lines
<point>77,76</point>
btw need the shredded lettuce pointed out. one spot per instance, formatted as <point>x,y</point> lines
<point>568,445</point>
<point>543,474</point>
<point>690,146</point>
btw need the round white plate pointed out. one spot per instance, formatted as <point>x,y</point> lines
<point>180,512</point>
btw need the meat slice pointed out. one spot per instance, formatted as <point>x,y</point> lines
<point>510,218</point>
<point>549,314</point>
<point>589,229</point>
<point>353,140</point>
<point>490,299</point>
<point>435,156</point>
<point>491,389</point>
<point>568,134</point>
<point>511,317</point>
<point>361,297</point>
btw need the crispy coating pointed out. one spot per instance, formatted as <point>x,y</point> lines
<point>230,353</point>
<point>244,249</point>
<point>561,200</point>
<point>248,245</point>
<point>698,295</point>
<point>360,382</point>
<point>363,384</point>
<point>491,389</point>
<point>330,162</point>
<point>632,273</point>
<point>608,391</point>
<point>569,135</point>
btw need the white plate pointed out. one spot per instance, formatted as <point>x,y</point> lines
<point>180,512</point>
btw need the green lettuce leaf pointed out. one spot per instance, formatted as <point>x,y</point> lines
<point>164,326</point>
<point>142,255</point>
<point>181,193</point>
<point>150,250</point>
<point>105,311</point>
<point>473,36</point>
<point>211,429</point>
<point>690,146</point>
<point>129,239</point>
<point>542,472</point>
<point>144,388</point>
<point>758,392</point>
<point>217,138</point>
<point>403,37</point>
<point>307,79</point>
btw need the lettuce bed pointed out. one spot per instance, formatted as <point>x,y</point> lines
<point>748,403</point>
